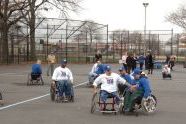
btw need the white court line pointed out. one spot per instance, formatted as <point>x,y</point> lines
<point>14,74</point>
<point>36,98</point>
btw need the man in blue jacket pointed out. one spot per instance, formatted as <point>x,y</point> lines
<point>123,73</point>
<point>143,90</point>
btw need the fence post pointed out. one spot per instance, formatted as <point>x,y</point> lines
<point>171,41</point>
<point>66,41</point>
<point>107,45</point>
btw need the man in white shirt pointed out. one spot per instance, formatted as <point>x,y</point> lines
<point>63,78</point>
<point>166,72</point>
<point>109,85</point>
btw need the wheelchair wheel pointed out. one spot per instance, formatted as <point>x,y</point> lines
<point>52,93</point>
<point>1,99</point>
<point>93,103</point>
<point>29,79</point>
<point>149,105</point>
<point>1,96</point>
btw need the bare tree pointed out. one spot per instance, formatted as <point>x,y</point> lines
<point>65,6</point>
<point>10,14</point>
<point>178,17</point>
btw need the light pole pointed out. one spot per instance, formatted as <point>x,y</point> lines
<point>145,5</point>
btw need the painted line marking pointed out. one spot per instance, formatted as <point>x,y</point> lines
<point>36,98</point>
<point>14,74</point>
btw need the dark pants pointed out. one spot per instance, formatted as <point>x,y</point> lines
<point>129,69</point>
<point>150,68</point>
<point>130,97</point>
<point>166,75</point>
<point>125,66</point>
<point>141,66</point>
<point>35,76</point>
<point>50,69</point>
<point>171,64</point>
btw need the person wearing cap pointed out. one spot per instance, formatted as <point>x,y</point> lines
<point>51,60</point>
<point>109,82</point>
<point>166,72</point>
<point>127,77</point>
<point>143,90</point>
<point>123,73</point>
<point>63,78</point>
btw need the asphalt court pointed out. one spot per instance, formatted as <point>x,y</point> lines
<point>171,96</point>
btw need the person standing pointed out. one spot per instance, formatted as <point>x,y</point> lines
<point>51,60</point>
<point>124,58</point>
<point>172,62</point>
<point>141,60</point>
<point>150,63</point>
<point>134,59</point>
<point>98,56</point>
<point>129,62</point>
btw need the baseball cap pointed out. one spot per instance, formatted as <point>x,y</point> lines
<point>64,61</point>
<point>107,68</point>
<point>136,72</point>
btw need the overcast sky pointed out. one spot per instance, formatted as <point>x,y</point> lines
<point>129,14</point>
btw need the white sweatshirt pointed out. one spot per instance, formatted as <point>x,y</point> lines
<point>109,83</point>
<point>166,70</point>
<point>94,68</point>
<point>62,74</point>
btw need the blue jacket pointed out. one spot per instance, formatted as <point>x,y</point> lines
<point>128,78</point>
<point>141,59</point>
<point>100,69</point>
<point>36,69</point>
<point>144,84</point>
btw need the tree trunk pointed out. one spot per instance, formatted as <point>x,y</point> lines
<point>32,41</point>
<point>5,50</point>
<point>12,48</point>
<point>32,30</point>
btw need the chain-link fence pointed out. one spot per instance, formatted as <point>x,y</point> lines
<point>78,41</point>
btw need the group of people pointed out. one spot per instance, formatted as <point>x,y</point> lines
<point>62,77</point>
<point>137,84</point>
<point>130,61</point>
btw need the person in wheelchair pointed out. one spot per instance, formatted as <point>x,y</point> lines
<point>36,71</point>
<point>97,69</point>
<point>166,72</point>
<point>142,92</point>
<point>109,82</point>
<point>62,78</point>
<point>127,77</point>
<point>1,99</point>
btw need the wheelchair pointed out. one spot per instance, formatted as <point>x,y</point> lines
<point>164,76</point>
<point>54,94</point>
<point>1,99</point>
<point>147,106</point>
<point>91,79</point>
<point>34,79</point>
<point>98,105</point>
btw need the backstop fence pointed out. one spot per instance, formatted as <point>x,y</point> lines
<point>78,41</point>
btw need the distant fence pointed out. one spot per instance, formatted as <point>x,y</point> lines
<point>78,41</point>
